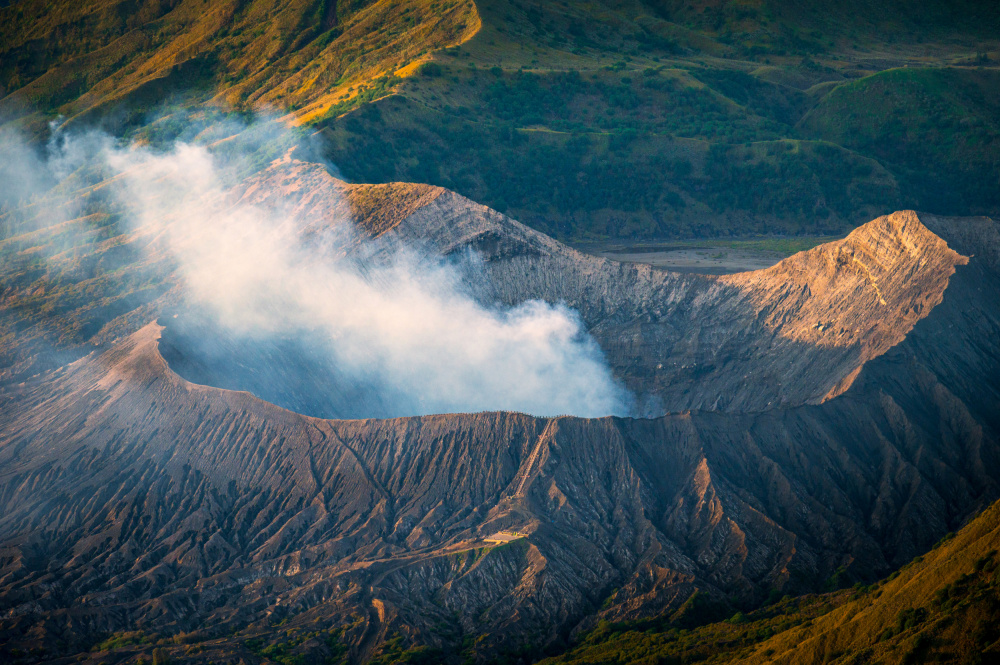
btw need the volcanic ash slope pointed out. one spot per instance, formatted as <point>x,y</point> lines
<point>133,499</point>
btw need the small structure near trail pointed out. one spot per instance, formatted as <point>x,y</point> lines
<point>504,537</point>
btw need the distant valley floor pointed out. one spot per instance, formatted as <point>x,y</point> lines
<point>706,256</point>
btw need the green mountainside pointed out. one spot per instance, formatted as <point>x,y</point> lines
<point>611,120</point>
<point>112,60</point>
<point>586,120</point>
<point>908,119</point>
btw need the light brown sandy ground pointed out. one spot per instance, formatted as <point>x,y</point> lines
<point>706,260</point>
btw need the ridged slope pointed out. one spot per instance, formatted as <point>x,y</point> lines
<point>180,506</point>
<point>941,607</point>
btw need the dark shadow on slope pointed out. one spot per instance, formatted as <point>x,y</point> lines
<point>909,451</point>
<point>296,372</point>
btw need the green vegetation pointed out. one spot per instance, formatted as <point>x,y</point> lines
<point>301,647</point>
<point>526,147</point>
<point>913,119</point>
<point>392,653</point>
<point>379,88</point>
<point>613,134</point>
<point>102,60</point>
<point>776,28</point>
<point>585,120</point>
<point>119,640</point>
<point>668,641</point>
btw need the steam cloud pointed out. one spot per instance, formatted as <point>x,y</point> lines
<point>398,321</point>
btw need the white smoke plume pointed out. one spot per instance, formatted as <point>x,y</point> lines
<point>400,321</point>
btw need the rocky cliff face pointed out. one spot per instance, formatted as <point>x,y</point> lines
<point>844,414</point>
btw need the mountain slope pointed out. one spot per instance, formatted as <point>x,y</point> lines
<point>943,606</point>
<point>133,499</point>
<point>907,118</point>
<point>536,108</point>
<point>667,120</point>
<point>794,334</point>
<point>105,59</point>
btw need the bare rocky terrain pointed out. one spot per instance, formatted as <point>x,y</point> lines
<point>795,333</point>
<point>839,410</point>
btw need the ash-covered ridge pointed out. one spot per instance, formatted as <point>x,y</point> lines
<point>796,333</point>
<point>793,334</point>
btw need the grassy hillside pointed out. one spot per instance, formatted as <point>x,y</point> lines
<point>634,147</point>
<point>290,55</point>
<point>911,118</point>
<point>776,26</point>
<point>637,120</point>
<point>613,182</point>
<point>942,607</point>
<point>611,118</point>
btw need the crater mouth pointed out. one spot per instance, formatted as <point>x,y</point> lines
<point>317,373</point>
<point>294,371</point>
